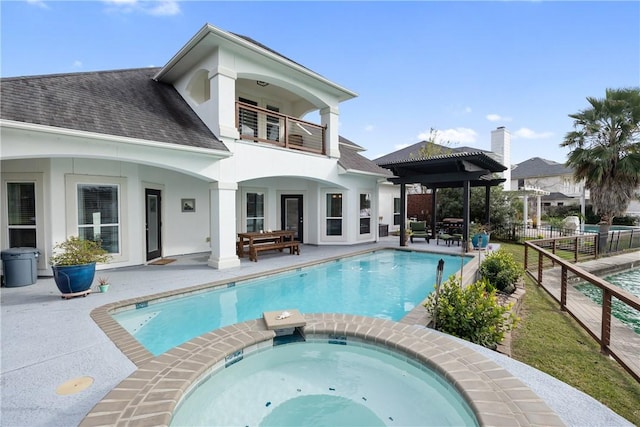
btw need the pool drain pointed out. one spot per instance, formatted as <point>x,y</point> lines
<point>74,386</point>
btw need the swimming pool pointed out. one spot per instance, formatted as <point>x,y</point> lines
<point>629,281</point>
<point>594,228</point>
<point>385,284</point>
<point>319,383</point>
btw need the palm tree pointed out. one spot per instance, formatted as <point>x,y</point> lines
<point>605,152</point>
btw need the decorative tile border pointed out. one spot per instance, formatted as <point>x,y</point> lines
<point>151,394</point>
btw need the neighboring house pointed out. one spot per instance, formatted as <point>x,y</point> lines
<point>557,179</point>
<point>549,176</point>
<point>158,162</point>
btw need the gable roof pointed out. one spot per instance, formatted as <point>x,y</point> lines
<point>125,103</point>
<point>538,167</point>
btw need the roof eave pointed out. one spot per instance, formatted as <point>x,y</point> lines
<point>207,29</point>
<point>11,124</point>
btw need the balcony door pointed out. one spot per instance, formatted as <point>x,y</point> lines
<point>153,221</point>
<point>291,214</point>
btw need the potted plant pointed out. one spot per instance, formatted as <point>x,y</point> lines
<point>479,235</point>
<point>74,265</point>
<point>103,284</point>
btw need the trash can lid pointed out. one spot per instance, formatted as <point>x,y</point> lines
<point>12,252</point>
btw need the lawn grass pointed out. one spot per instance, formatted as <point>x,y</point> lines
<point>553,342</point>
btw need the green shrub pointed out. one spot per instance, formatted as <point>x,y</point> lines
<point>472,313</point>
<point>77,251</point>
<point>501,270</point>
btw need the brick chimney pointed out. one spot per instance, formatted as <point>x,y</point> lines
<point>501,146</point>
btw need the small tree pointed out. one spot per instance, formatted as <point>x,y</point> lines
<point>472,313</point>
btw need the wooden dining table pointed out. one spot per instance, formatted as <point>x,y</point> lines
<point>252,238</point>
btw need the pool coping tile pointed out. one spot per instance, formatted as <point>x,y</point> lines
<point>151,394</point>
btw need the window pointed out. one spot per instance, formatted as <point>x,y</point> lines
<point>21,206</point>
<point>396,211</point>
<point>255,211</point>
<point>334,214</point>
<point>99,215</point>
<point>365,213</point>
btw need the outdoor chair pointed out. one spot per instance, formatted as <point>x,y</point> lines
<point>419,229</point>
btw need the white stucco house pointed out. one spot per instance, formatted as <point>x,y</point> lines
<point>229,136</point>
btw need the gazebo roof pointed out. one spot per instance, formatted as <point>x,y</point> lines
<point>446,170</point>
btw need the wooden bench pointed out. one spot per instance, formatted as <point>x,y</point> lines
<point>293,245</point>
<point>241,244</point>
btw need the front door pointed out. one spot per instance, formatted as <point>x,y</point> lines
<point>153,223</point>
<point>292,215</point>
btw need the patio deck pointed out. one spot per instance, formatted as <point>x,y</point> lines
<point>48,341</point>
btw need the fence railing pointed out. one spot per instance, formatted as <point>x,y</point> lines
<point>562,252</point>
<point>264,125</point>
<point>617,240</point>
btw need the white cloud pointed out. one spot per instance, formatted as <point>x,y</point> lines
<point>497,118</point>
<point>165,8</point>
<point>369,128</point>
<point>467,109</point>
<point>400,146</point>
<point>151,7</point>
<point>39,3</point>
<point>457,135</point>
<point>527,133</point>
<point>77,64</point>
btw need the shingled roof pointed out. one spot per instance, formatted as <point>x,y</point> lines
<point>125,103</point>
<point>351,159</point>
<point>537,167</point>
<point>412,152</point>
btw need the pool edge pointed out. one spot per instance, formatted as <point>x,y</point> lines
<point>151,393</point>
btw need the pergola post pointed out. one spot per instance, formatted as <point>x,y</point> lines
<point>403,213</point>
<point>487,210</point>
<point>466,190</point>
<point>434,217</point>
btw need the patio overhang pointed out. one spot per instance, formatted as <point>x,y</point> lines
<point>454,170</point>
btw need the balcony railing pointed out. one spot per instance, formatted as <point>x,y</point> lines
<point>263,125</point>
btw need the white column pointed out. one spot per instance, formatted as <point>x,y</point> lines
<point>329,118</point>
<point>223,86</point>
<point>538,210</point>
<point>222,223</point>
<point>525,210</point>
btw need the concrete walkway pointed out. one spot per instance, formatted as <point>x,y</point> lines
<point>48,341</point>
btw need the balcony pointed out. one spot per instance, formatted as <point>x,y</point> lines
<point>270,127</point>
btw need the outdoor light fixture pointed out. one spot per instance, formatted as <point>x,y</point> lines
<point>261,83</point>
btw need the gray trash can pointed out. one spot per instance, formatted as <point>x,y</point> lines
<point>19,266</point>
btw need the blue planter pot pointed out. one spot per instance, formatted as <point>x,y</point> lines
<point>74,278</point>
<point>480,240</point>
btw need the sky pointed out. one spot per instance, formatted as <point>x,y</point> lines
<point>460,68</point>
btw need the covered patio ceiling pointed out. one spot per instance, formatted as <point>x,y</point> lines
<point>452,170</point>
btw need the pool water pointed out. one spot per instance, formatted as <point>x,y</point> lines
<point>385,284</point>
<point>629,281</point>
<point>322,384</point>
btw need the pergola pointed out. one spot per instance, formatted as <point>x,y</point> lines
<point>453,170</point>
